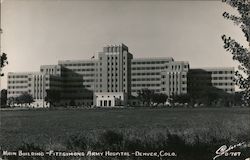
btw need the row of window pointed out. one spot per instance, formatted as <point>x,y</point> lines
<point>142,68</point>
<point>148,85</point>
<point>16,92</point>
<point>176,67</point>
<point>150,62</point>
<point>223,84</point>
<point>120,97</point>
<point>13,82</point>
<point>146,79</point>
<point>82,70</point>
<point>112,69</point>
<point>137,90</point>
<point>113,80</point>
<point>16,87</point>
<point>222,78</point>
<point>199,89</point>
<point>173,89</point>
<point>112,74</point>
<point>36,84</point>
<point>114,63</point>
<point>75,75</point>
<point>112,57</point>
<point>114,90</point>
<point>134,68</point>
<point>204,72</point>
<point>222,72</point>
<point>80,64</point>
<point>142,74</point>
<point>112,49</point>
<point>157,85</point>
<point>173,76</point>
<point>50,70</point>
<point>114,85</point>
<point>17,76</point>
<point>148,68</point>
<point>145,85</point>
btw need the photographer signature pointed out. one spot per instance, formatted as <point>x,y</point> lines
<point>224,150</point>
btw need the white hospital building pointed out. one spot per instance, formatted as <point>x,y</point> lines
<point>111,78</point>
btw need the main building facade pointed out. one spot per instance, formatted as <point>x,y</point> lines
<point>110,79</point>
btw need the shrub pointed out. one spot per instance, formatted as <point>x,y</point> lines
<point>111,140</point>
<point>75,143</point>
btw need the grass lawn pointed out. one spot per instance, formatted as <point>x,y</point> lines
<point>54,126</point>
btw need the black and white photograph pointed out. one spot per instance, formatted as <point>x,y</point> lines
<point>125,80</point>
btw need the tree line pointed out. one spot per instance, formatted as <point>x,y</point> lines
<point>146,97</point>
<point>208,97</point>
<point>52,97</point>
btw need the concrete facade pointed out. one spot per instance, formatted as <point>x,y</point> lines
<point>112,76</point>
<point>221,78</point>
<point>28,82</point>
<point>114,70</point>
<point>163,75</point>
<point>110,99</point>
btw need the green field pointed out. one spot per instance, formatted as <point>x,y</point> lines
<point>52,128</point>
<point>53,125</point>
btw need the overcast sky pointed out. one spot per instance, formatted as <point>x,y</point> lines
<point>37,32</point>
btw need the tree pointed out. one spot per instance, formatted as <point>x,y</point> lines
<point>238,98</point>
<point>3,97</point>
<point>52,97</point>
<point>240,54</point>
<point>4,62</point>
<point>149,97</point>
<point>209,96</point>
<point>183,98</point>
<point>145,96</point>
<point>159,98</point>
<point>72,103</point>
<point>25,98</point>
<point>11,101</point>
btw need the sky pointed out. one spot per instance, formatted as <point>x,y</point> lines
<point>37,32</point>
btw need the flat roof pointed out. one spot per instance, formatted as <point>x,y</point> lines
<point>213,68</point>
<point>154,59</point>
<point>77,61</point>
<point>25,73</point>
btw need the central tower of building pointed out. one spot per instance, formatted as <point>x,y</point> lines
<point>113,73</point>
<point>114,70</point>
